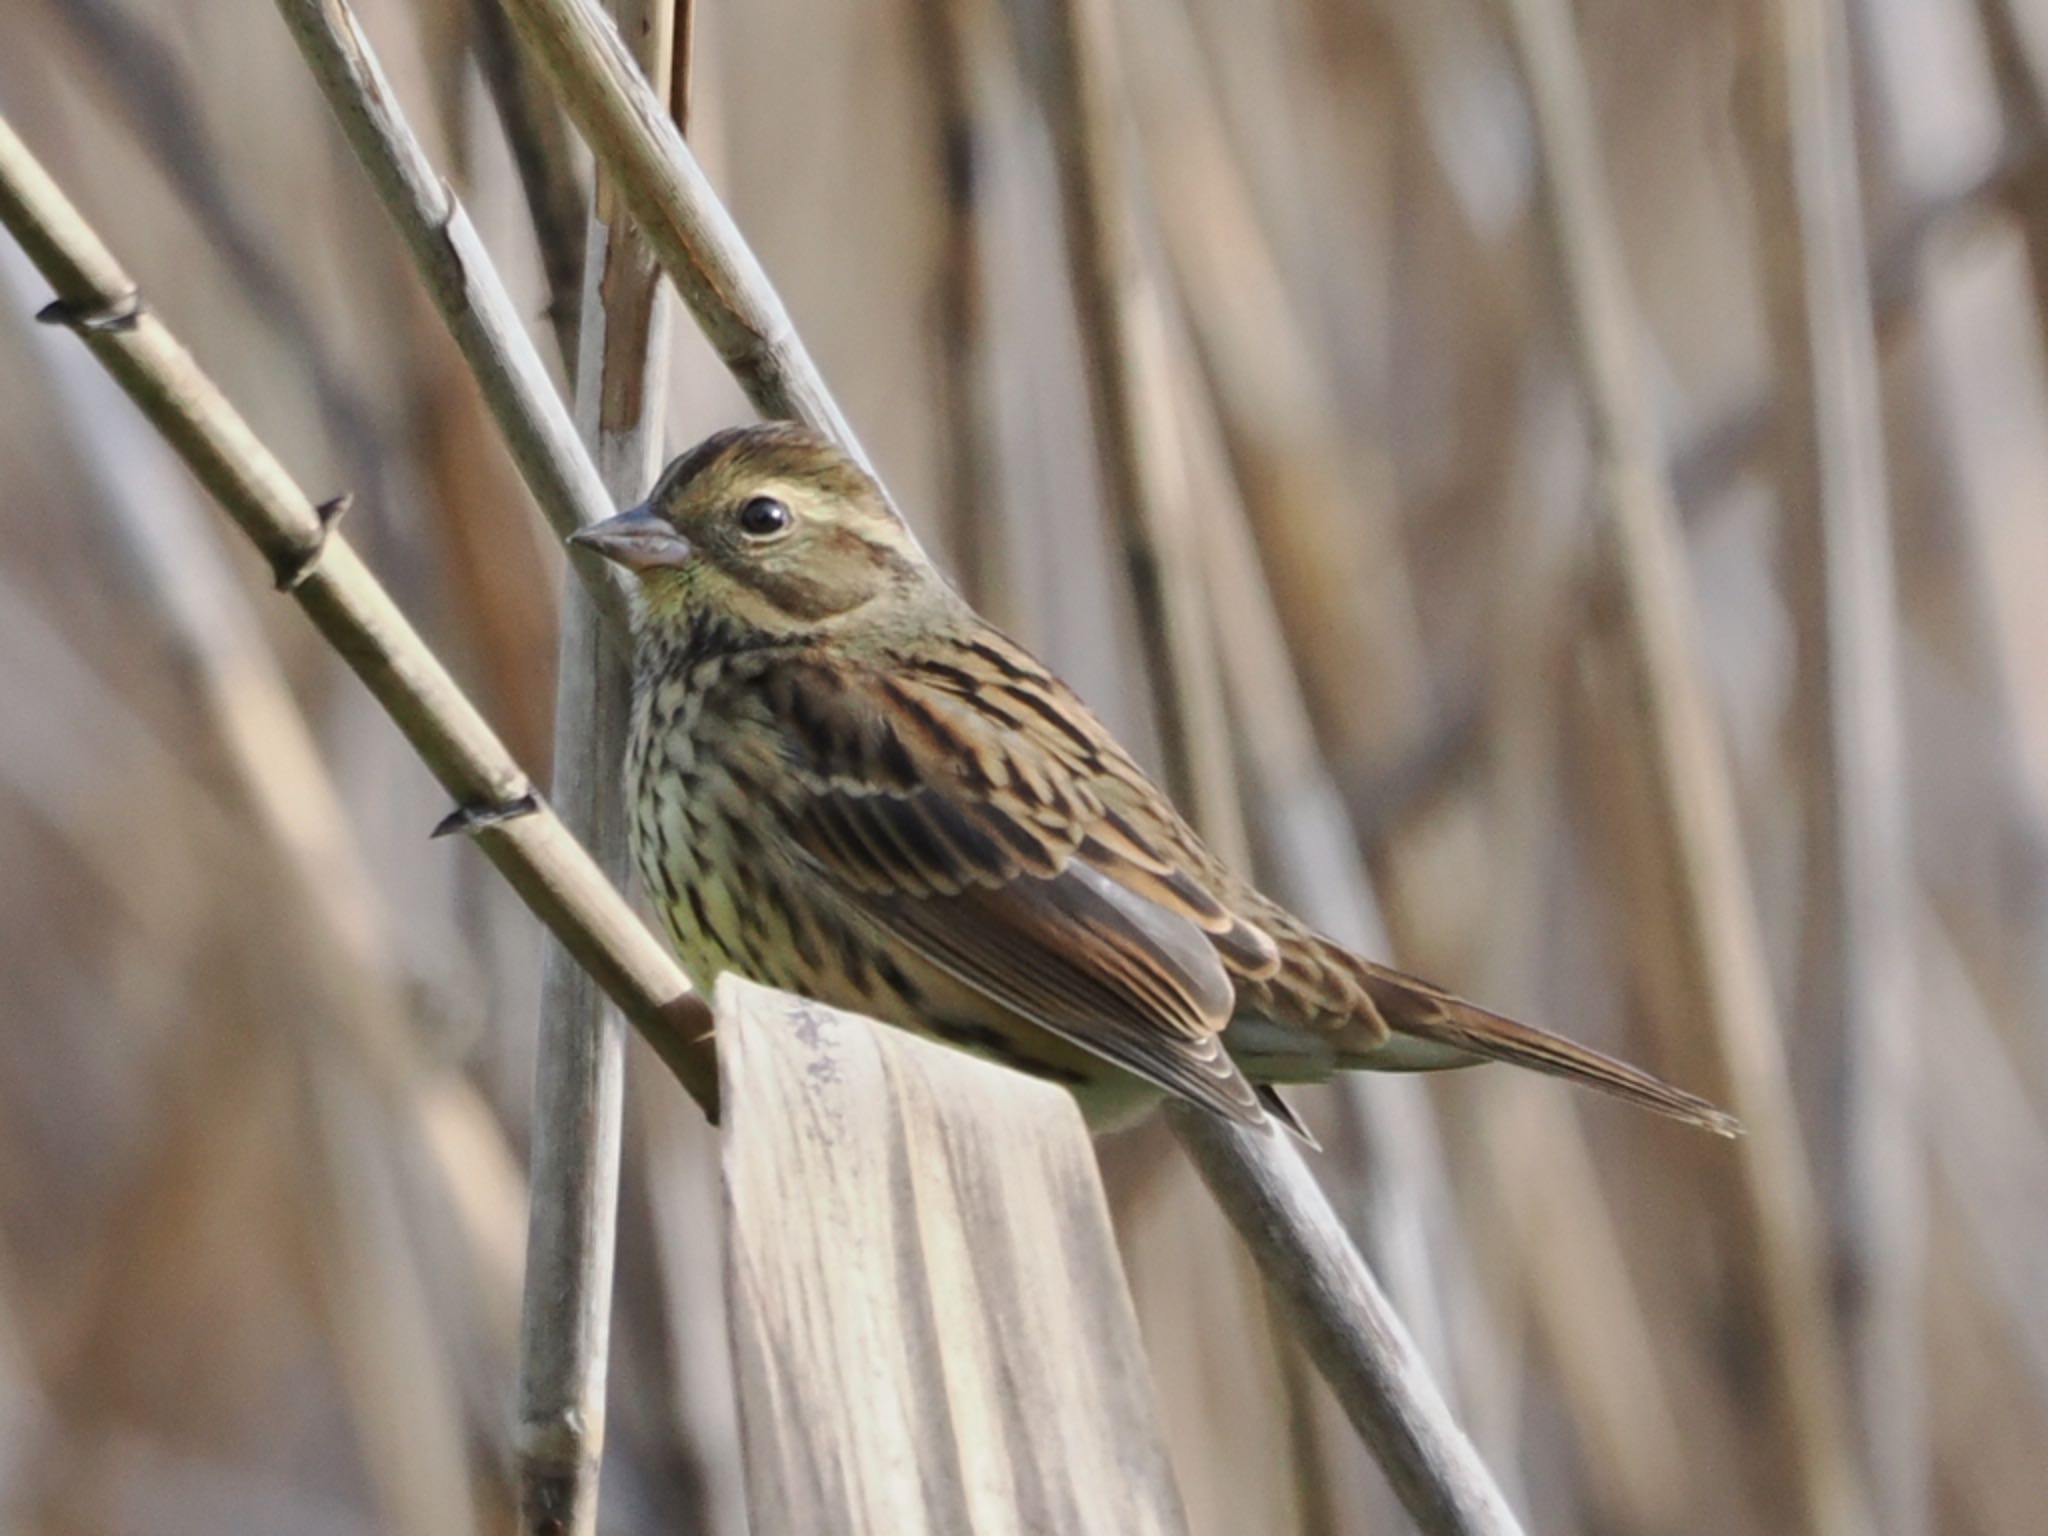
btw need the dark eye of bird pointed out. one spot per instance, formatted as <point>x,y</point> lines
<point>763,517</point>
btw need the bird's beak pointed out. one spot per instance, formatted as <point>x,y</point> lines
<point>638,539</point>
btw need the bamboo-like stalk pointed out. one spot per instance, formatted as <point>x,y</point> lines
<point>458,272</point>
<point>1856,977</point>
<point>1712,988</point>
<point>579,1077</point>
<point>1143,472</point>
<point>514,827</point>
<point>1392,1185</point>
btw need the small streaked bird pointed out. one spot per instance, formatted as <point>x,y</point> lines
<point>845,784</point>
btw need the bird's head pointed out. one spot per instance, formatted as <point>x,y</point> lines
<point>773,532</point>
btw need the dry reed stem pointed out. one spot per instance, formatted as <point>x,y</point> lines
<point>1856,977</point>
<point>1307,1260</point>
<point>579,1077</point>
<point>1137,438</point>
<point>1713,990</point>
<point>1385,1161</point>
<point>464,283</point>
<point>551,872</point>
<point>1311,1267</point>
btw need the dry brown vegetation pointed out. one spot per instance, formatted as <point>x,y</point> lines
<point>1587,460</point>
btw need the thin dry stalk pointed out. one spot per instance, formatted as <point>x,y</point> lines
<point>1712,988</point>
<point>1314,1272</point>
<point>464,283</point>
<point>513,826</point>
<point>579,1079</point>
<point>1856,980</point>
<point>1143,471</point>
<point>1382,1383</point>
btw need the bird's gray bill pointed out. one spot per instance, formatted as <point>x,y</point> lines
<point>638,539</point>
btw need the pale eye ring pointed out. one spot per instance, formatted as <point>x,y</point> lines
<point>763,517</point>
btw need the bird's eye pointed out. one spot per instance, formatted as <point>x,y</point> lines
<point>764,517</point>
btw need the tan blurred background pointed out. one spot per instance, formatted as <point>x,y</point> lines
<point>265,1050</point>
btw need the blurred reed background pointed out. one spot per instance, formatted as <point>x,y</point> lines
<point>1453,325</point>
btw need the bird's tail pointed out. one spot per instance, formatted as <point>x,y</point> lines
<point>1322,1006</point>
<point>1493,1038</point>
<point>1419,1014</point>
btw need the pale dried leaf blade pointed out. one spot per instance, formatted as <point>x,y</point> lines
<point>931,1330</point>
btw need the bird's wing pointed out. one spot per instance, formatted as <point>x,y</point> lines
<point>967,810</point>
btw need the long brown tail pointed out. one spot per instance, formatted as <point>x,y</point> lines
<point>1417,1010</point>
<point>1383,1020</point>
